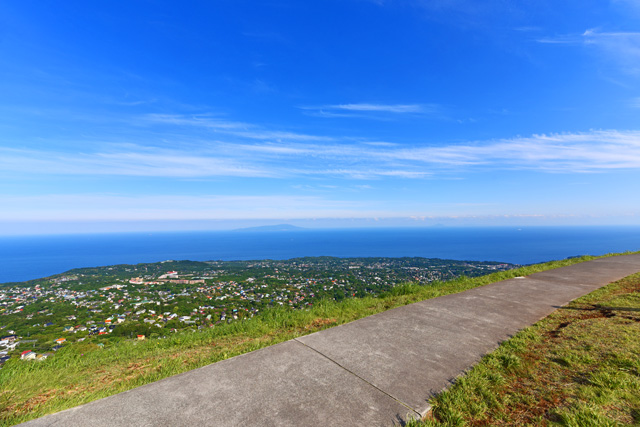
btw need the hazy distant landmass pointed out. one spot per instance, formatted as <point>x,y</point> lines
<point>278,227</point>
<point>25,258</point>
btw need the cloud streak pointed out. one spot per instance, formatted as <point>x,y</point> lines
<point>370,110</point>
<point>570,152</point>
<point>101,207</point>
<point>240,129</point>
<point>623,46</point>
<point>594,151</point>
<point>143,163</point>
<point>387,108</point>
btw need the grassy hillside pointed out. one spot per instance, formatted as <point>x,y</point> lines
<point>82,373</point>
<point>580,366</point>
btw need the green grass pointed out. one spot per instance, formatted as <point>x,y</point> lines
<point>579,367</point>
<point>84,372</point>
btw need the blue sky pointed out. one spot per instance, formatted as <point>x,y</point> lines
<point>154,115</point>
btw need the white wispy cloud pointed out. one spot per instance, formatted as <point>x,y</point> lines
<point>561,40</point>
<point>528,29</point>
<point>97,207</point>
<point>569,152</point>
<point>387,108</point>
<point>370,110</point>
<point>204,120</point>
<point>623,46</point>
<point>356,173</point>
<point>70,208</point>
<point>593,151</point>
<point>624,34</point>
<point>227,127</point>
<point>156,163</point>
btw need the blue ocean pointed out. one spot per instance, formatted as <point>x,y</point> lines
<point>31,257</point>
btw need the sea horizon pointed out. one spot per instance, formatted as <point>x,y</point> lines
<point>35,256</point>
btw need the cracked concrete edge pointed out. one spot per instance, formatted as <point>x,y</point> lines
<point>426,412</point>
<point>415,412</point>
<point>428,408</point>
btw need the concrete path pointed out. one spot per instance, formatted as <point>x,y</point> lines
<point>376,371</point>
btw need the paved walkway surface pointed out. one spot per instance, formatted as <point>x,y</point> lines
<point>376,371</point>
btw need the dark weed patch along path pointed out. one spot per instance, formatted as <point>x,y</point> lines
<point>580,366</point>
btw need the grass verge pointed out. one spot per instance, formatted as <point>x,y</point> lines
<point>82,373</point>
<point>580,366</point>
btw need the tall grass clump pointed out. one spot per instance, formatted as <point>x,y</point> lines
<point>580,366</point>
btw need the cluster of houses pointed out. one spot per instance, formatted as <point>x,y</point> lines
<point>9,343</point>
<point>140,291</point>
<point>194,298</point>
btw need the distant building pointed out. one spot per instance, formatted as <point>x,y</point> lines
<point>27,355</point>
<point>8,339</point>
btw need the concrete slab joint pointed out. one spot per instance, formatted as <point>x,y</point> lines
<point>380,370</point>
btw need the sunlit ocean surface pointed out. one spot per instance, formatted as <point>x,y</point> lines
<point>30,257</point>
